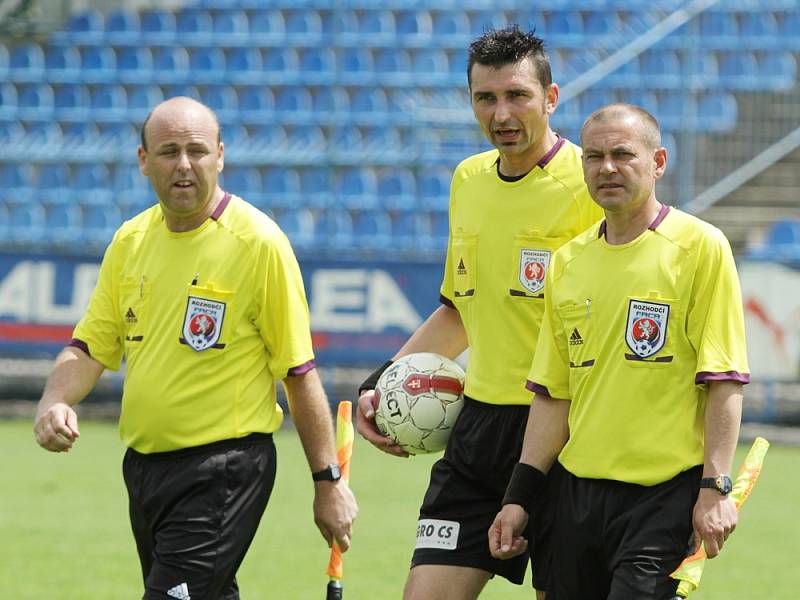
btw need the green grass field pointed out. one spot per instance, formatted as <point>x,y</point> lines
<point>64,530</point>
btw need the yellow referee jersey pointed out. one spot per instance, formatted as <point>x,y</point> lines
<point>631,335</point>
<point>207,320</point>
<point>502,237</point>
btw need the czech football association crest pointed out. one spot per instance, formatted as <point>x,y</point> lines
<point>646,331</point>
<point>202,323</point>
<point>533,266</point>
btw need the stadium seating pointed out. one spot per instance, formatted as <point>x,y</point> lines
<point>357,106</point>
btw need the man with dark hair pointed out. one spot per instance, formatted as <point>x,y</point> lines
<point>510,209</point>
<point>638,379</point>
<point>203,297</point>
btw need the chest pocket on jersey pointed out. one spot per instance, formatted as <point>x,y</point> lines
<point>577,323</point>
<point>208,319</point>
<point>134,303</point>
<point>650,325</point>
<point>465,267</point>
<point>530,261</point>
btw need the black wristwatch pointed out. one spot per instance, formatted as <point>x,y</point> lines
<point>329,473</point>
<point>721,483</point>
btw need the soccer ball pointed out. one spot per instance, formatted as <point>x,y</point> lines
<point>419,397</point>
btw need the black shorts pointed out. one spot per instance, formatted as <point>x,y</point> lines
<point>194,513</point>
<point>617,541</point>
<point>466,491</point>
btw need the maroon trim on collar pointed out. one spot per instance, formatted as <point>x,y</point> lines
<point>660,217</point>
<point>221,206</point>
<point>662,214</point>
<point>551,153</point>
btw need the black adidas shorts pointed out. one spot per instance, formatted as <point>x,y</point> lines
<point>194,513</point>
<point>466,490</point>
<point>617,541</point>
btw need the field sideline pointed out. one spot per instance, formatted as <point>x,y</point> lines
<point>65,533</point>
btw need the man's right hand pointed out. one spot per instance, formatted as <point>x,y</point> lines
<point>365,423</point>
<point>505,534</point>
<point>56,427</point>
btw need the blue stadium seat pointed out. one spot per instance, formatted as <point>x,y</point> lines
<point>627,75</point>
<point>347,145</point>
<point>231,27</point>
<point>306,144</point>
<point>134,65</point>
<point>603,27</point>
<point>170,65</point>
<point>180,89</point>
<point>414,27</point>
<point>303,27</point>
<point>369,106</point>
<point>90,177</point>
<point>778,70</point>
<point>99,219</point>
<point>298,225</point>
<point>701,69</point>
<point>44,142</point>
<point>245,65</point>
<point>26,63</point>
<point>293,104</point>
<point>434,188</point>
<point>372,230</point>
<point>11,132</point>
<point>356,188</point>
<point>376,27</point>
<point>784,233</point>
<point>122,27</point>
<point>318,66</point>
<point>385,145</point>
<point>758,29</point>
<point>193,27</point>
<point>345,28</point>
<point>719,30</point>
<point>223,100</point>
<point>142,99</point>
<point>661,69</point>
<point>256,104</point>
<point>564,28</point>
<point>267,27</point>
<point>25,219</point>
<point>645,98</point>
<point>98,64</point>
<point>487,19</point>
<point>439,232</point>
<point>677,110</point>
<point>35,101</point>
<point>62,219</point>
<point>157,27</point>
<point>717,111</point>
<point>282,66</point>
<point>17,178</point>
<point>457,58</point>
<point>789,28</point>
<point>281,188</point>
<point>451,28</point>
<point>739,71</point>
<point>62,63</point>
<point>397,189</point>
<point>334,230</point>
<point>244,182</point>
<point>393,67</point>
<point>9,100</point>
<point>207,65</point>
<point>356,67</point>
<point>128,178</point>
<point>71,102</point>
<point>410,231</point>
<point>54,177</point>
<point>591,100</point>
<point>109,103</point>
<point>431,67</point>
<point>81,141</point>
<point>85,27</point>
<point>329,104</point>
<point>316,186</point>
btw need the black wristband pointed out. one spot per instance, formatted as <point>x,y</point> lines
<point>372,381</point>
<point>525,485</point>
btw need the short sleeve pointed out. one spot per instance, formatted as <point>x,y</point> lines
<point>716,318</point>
<point>283,318</point>
<point>100,328</point>
<point>549,372</point>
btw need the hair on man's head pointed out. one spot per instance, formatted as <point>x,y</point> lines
<point>509,45</point>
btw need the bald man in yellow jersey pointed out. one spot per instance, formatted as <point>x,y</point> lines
<point>202,295</point>
<point>638,379</point>
<point>510,209</point>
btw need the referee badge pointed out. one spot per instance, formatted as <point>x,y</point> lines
<point>533,266</point>
<point>646,332</point>
<point>202,323</point>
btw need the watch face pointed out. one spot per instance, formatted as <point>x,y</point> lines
<point>724,484</point>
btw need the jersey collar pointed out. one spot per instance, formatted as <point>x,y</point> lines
<point>542,161</point>
<point>221,206</point>
<point>662,214</point>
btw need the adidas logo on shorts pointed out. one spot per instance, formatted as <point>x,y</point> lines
<point>180,591</point>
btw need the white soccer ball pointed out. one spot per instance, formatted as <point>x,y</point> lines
<point>419,397</point>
